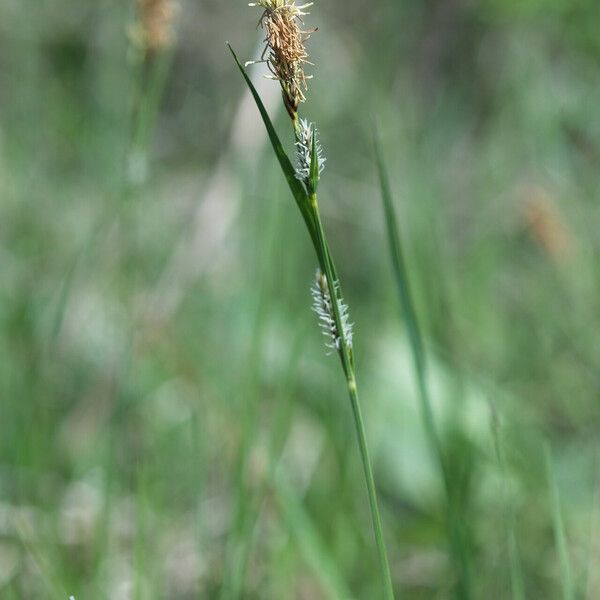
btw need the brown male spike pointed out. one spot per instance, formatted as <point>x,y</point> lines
<point>154,30</point>
<point>285,50</point>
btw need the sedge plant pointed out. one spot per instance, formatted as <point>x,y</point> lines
<point>151,53</point>
<point>286,57</point>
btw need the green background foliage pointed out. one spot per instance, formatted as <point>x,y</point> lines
<point>170,424</point>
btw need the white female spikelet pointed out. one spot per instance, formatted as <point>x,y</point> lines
<point>322,306</point>
<point>304,150</point>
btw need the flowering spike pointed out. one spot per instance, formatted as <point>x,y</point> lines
<point>304,153</point>
<point>322,306</point>
<point>285,52</point>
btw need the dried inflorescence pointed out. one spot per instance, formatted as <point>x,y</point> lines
<point>546,225</point>
<point>285,51</point>
<point>154,30</point>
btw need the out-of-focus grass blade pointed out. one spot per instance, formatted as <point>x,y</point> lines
<point>456,524</point>
<point>311,545</point>
<point>559,529</point>
<point>289,172</point>
<point>516,571</point>
<point>397,256</point>
<point>38,553</point>
<point>146,118</point>
<point>408,308</point>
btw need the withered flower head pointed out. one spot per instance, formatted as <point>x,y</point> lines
<point>285,52</point>
<point>154,31</point>
<point>546,225</point>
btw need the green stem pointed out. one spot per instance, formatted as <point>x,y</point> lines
<point>326,264</point>
<point>152,87</point>
<point>366,461</point>
<point>346,358</point>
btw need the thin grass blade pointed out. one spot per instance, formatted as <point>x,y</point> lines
<point>517,584</point>
<point>289,172</point>
<point>456,524</point>
<point>408,308</point>
<point>398,264</point>
<point>309,541</point>
<point>516,571</point>
<point>560,537</point>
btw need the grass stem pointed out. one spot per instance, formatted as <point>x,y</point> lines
<point>348,367</point>
<point>371,490</point>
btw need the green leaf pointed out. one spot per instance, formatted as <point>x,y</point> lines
<point>289,172</point>
<point>457,523</point>
<point>399,266</point>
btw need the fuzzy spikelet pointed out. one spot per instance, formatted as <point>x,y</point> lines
<point>304,147</point>
<point>324,310</point>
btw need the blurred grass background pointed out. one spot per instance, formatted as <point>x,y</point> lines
<point>170,426</point>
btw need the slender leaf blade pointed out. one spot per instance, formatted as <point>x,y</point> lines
<point>560,537</point>
<point>457,524</point>
<point>516,570</point>
<point>398,263</point>
<point>289,172</point>
<point>309,541</point>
